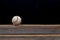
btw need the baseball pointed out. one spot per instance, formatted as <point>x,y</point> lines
<point>16,20</point>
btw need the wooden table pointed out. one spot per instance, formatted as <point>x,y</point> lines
<point>30,32</point>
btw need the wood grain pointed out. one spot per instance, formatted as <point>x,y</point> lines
<point>41,35</point>
<point>30,29</point>
<point>30,26</point>
<point>30,32</point>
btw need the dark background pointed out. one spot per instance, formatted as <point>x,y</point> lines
<point>31,11</point>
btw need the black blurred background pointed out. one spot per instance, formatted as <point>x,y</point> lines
<point>31,11</point>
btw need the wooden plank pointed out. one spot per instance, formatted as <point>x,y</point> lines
<point>30,37</point>
<point>39,35</point>
<point>30,32</point>
<point>30,26</point>
<point>30,29</point>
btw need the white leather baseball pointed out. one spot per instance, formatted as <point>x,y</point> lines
<point>16,20</point>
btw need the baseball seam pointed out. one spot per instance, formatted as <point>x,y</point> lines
<point>16,20</point>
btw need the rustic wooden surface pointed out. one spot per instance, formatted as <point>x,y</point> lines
<point>29,37</point>
<point>30,32</point>
<point>30,29</point>
<point>30,26</point>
